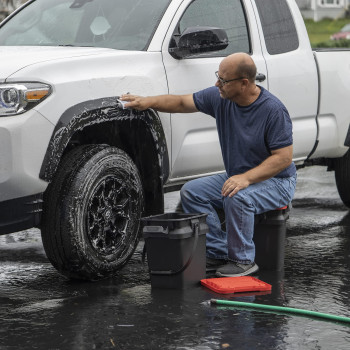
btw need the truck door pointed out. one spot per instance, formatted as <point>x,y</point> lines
<point>195,145</point>
<point>292,74</point>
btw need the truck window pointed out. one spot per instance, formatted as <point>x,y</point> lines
<point>225,14</point>
<point>278,26</point>
<point>116,24</point>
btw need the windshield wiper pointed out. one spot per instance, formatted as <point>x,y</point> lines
<point>70,45</point>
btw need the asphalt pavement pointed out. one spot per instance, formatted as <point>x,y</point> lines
<point>40,309</point>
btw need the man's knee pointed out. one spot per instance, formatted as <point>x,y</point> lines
<point>190,188</point>
<point>187,190</point>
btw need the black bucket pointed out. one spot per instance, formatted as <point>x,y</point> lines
<point>175,247</point>
<point>269,238</point>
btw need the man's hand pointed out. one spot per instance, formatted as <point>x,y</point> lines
<point>136,102</point>
<point>271,166</point>
<point>234,184</point>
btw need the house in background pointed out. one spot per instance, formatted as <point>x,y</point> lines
<point>319,9</point>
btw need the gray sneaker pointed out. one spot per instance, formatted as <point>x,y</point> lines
<point>213,264</point>
<point>233,269</point>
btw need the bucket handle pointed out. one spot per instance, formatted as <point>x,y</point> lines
<point>195,228</point>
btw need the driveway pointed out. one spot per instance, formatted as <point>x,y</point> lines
<point>40,309</point>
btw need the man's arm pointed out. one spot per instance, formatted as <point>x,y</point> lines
<point>279,160</point>
<point>161,103</point>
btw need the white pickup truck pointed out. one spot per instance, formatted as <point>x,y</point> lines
<point>84,170</point>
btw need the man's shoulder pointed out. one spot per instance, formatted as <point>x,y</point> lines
<point>210,91</point>
<point>207,97</point>
<point>271,100</point>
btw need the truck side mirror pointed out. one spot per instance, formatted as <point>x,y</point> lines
<point>197,40</point>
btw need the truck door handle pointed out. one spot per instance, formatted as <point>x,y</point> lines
<point>260,77</point>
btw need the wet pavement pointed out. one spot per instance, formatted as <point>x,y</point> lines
<point>39,309</point>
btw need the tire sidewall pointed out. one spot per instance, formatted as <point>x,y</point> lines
<point>342,177</point>
<point>108,163</point>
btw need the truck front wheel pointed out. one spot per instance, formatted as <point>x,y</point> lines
<point>91,212</point>
<point>342,178</point>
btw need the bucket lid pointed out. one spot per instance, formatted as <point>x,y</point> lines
<point>174,225</point>
<point>227,285</point>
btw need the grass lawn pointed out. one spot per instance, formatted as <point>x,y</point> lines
<point>322,30</point>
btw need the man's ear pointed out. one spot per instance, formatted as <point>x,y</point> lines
<point>245,83</point>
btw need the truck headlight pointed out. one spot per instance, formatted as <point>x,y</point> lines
<point>20,97</point>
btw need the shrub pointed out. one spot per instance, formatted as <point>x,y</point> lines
<point>333,44</point>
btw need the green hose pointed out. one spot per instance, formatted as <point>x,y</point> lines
<point>283,309</point>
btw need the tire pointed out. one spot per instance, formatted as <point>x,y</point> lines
<point>91,212</point>
<point>342,178</point>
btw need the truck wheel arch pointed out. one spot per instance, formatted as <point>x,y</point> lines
<point>139,134</point>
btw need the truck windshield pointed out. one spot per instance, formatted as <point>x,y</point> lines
<point>116,24</point>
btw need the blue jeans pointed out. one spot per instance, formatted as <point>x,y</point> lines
<point>203,195</point>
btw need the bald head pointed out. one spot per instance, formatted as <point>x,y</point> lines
<point>240,64</point>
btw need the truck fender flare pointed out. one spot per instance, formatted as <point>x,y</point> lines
<point>95,112</point>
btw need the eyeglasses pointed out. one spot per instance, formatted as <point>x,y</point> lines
<point>223,81</point>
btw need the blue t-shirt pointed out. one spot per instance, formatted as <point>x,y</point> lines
<point>247,134</point>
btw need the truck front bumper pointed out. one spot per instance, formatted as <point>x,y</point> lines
<point>23,142</point>
<point>20,213</point>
